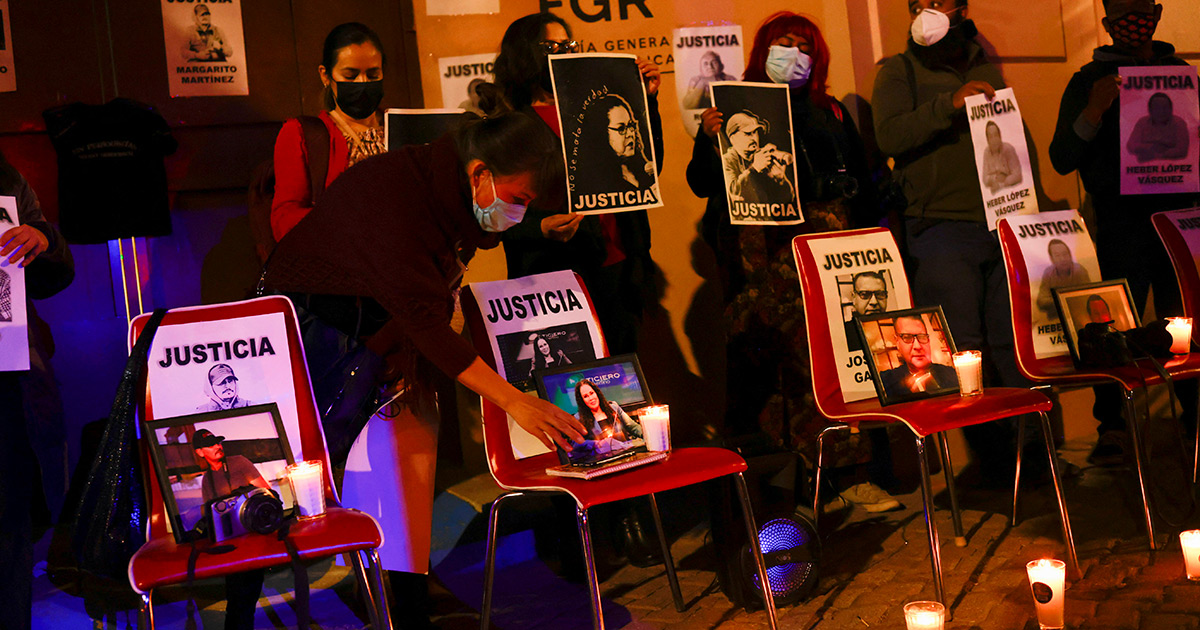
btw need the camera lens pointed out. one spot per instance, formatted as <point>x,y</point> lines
<point>262,512</point>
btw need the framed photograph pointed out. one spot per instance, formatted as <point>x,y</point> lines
<point>910,353</point>
<point>553,346</point>
<point>1099,302</point>
<point>207,456</point>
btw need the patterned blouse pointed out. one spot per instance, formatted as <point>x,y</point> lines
<point>368,143</point>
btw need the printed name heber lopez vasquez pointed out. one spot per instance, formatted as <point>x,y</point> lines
<point>522,306</point>
<point>846,260</point>
<point>217,351</point>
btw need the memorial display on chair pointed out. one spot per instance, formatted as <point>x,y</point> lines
<point>910,353</point>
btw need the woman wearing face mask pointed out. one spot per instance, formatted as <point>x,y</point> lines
<point>769,386</point>
<point>399,229</point>
<point>352,62</point>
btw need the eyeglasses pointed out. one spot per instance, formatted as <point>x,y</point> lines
<point>866,295</point>
<point>552,48</point>
<point>909,337</point>
<point>627,128</point>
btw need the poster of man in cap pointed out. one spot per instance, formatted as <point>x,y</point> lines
<point>206,50</point>
<point>605,119</point>
<point>1160,114</point>
<point>222,391</point>
<point>757,155</point>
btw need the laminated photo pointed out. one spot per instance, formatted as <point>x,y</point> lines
<point>418,126</point>
<point>1001,156</point>
<point>225,364</point>
<point>1058,253</point>
<point>206,50</point>
<point>758,158</point>
<point>860,275</point>
<point>1160,115</point>
<point>605,121</point>
<point>704,55</point>
<point>14,323</point>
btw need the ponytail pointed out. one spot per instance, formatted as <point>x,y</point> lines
<point>510,142</point>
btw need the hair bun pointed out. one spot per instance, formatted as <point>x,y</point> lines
<point>491,100</point>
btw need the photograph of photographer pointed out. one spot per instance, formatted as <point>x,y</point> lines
<point>229,464</point>
<point>1106,303</point>
<point>757,156</point>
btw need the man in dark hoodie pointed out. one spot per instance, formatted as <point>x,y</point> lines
<point>921,121</point>
<point>1088,139</point>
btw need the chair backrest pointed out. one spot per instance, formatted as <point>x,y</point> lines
<point>497,440</point>
<point>312,439</point>
<point>827,363</point>
<point>1180,234</point>
<point>1035,358</point>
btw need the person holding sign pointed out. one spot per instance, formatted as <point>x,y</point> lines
<point>37,246</point>
<point>1087,139</point>
<point>921,120</point>
<point>610,251</point>
<point>399,229</point>
<point>769,386</point>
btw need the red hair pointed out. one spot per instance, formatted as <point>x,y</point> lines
<point>784,23</point>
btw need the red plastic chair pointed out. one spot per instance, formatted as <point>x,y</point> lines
<point>162,561</point>
<point>927,417</point>
<point>684,467</point>
<point>1060,371</point>
<point>1183,259</point>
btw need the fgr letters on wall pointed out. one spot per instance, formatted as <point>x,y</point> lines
<point>205,48</point>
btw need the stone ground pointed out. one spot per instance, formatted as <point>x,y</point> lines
<point>871,566</point>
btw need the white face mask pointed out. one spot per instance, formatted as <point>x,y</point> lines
<point>498,216</point>
<point>788,65</point>
<point>930,27</point>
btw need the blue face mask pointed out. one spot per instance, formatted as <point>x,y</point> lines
<point>498,216</point>
<point>788,65</point>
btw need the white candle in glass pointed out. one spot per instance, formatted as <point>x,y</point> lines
<point>308,488</point>
<point>924,615</point>
<point>656,427</point>
<point>1181,334</point>
<point>1046,580</point>
<point>1190,541</point>
<point>969,365</point>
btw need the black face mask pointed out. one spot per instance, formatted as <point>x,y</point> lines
<point>359,99</point>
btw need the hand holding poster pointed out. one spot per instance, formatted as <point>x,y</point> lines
<point>704,55</point>
<point>757,155</point>
<point>1160,115</point>
<point>14,330</point>
<point>1001,155</point>
<point>1058,253</point>
<point>605,121</point>
<point>206,51</point>
<point>859,274</point>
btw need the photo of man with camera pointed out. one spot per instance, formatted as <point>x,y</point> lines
<point>223,475</point>
<point>757,171</point>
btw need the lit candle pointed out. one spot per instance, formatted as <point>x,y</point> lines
<point>1046,580</point>
<point>1181,334</point>
<point>308,488</point>
<point>656,427</point>
<point>924,615</point>
<point>969,366</point>
<point>1190,541</point>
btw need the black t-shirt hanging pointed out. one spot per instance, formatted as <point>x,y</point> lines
<point>112,182</point>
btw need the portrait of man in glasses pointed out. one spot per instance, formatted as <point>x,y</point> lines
<point>918,374</point>
<point>868,295</point>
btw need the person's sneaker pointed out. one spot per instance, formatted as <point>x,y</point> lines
<point>1110,449</point>
<point>870,497</point>
<point>836,505</point>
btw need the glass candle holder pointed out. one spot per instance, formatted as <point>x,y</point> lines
<point>924,615</point>
<point>656,427</point>
<point>1047,578</point>
<point>1190,541</point>
<point>308,488</point>
<point>969,366</point>
<point>1181,334</point>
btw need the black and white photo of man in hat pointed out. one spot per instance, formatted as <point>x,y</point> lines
<point>222,390</point>
<point>756,170</point>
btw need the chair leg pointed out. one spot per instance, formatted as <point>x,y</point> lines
<point>1017,474</point>
<point>489,565</point>
<point>1048,434</point>
<point>364,585</point>
<point>146,612</point>
<point>673,579</point>
<point>1196,454</point>
<point>1135,436</point>
<point>380,591</point>
<point>817,476</point>
<point>935,553</point>
<point>960,540</point>
<point>756,550</point>
<point>589,560</point>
